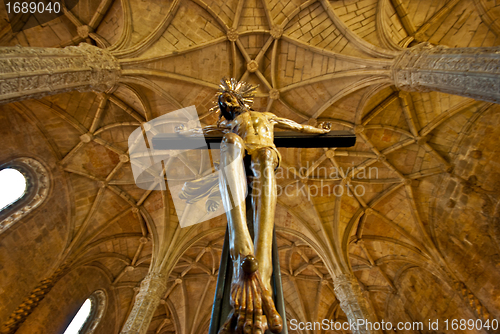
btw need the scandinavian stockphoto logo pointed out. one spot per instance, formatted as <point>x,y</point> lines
<point>160,148</point>
<point>31,13</point>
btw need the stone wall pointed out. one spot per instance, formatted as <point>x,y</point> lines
<point>30,249</point>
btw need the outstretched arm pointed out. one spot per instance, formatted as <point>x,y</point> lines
<point>288,124</point>
<point>196,132</point>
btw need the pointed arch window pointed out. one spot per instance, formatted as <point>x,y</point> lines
<point>89,315</point>
<point>24,185</point>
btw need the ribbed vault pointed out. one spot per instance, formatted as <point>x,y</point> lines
<point>416,219</point>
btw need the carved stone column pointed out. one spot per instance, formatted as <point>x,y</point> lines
<point>471,72</point>
<point>27,73</point>
<point>354,304</point>
<point>152,290</point>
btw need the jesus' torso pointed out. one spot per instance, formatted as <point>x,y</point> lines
<point>255,128</point>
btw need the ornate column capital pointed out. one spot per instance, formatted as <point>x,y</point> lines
<point>470,72</point>
<point>27,72</point>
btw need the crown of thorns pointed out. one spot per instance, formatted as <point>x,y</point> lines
<point>243,91</point>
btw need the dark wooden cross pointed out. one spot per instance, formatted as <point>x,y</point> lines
<point>221,306</point>
<point>172,141</point>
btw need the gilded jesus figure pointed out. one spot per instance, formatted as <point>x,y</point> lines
<point>249,132</point>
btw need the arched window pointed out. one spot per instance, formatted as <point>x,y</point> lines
<point>19,201</point>
<point>80,318</point>
<point>12,186</point>
<point>89,315</point>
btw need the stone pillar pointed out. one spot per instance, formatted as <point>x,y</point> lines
<point>28,73</point>
<point>353,302</point>
<point>470,72</point>
<point>147,300</point>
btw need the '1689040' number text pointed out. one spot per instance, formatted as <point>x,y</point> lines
<point>33,7</point>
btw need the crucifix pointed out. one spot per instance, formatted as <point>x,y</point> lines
<point>242,132</point>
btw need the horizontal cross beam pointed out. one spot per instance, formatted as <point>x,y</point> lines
<point>173,141</point>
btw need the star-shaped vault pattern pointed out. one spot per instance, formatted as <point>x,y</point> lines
<point>419,157</point>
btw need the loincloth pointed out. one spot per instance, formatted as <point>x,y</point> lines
<point>251,148</point>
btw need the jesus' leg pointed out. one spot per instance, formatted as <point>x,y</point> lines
<point>264,162</point>
<point>232,181</point>
<point>245,289</point>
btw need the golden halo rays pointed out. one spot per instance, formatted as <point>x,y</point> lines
<point>245,92</point>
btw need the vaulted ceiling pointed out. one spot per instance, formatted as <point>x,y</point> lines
<point>416,231</point>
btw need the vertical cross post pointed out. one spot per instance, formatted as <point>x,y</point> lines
<point>221,306</point>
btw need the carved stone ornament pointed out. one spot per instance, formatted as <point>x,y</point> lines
<point>148,298</point>
<point>276,32</point>
<point>37,189</point>
<point>28,73</point>
<point>99,303</point>
<point>84,31</point>
<point>30,303</point>
<point>352,300</point>
<point>232,35</point>
<point>274,94</point>
<point>252,66</point>
<point>472,301</point>
<point>470,72</point>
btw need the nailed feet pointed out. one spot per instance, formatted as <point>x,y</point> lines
<point>253,307</point>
